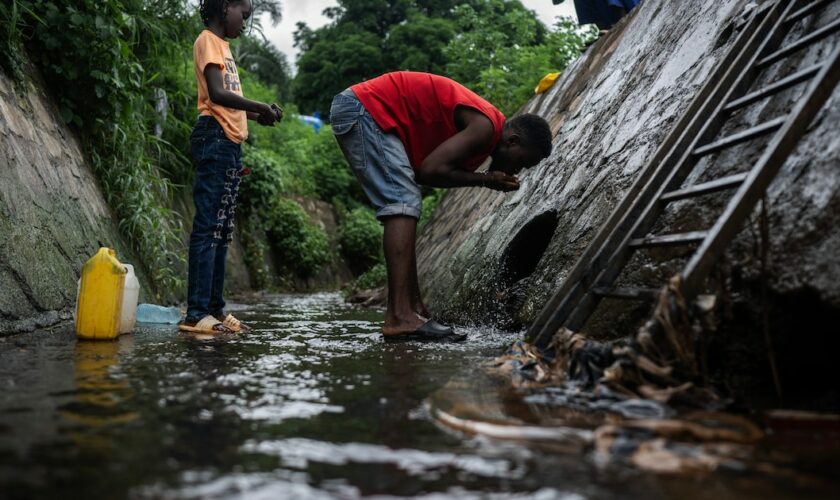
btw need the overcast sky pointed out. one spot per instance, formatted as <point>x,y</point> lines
<point>309,11</point>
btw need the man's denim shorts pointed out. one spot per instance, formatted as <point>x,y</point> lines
<point>377,158</point>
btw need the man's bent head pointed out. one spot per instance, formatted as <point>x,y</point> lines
<point>525,141</point>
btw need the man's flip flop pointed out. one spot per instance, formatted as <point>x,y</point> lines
<point>233,323</point>
<point>430,331</point>
<point>207,324</point>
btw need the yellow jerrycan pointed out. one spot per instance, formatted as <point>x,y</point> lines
<point>99,307</point>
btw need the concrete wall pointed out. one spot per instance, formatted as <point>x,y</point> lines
<point>609,112</point>
<point>53,215</point>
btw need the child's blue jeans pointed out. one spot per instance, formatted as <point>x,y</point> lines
<point>218,161</point>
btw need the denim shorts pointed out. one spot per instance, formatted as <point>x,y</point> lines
<point>378,159</point>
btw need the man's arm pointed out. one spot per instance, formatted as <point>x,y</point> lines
<point>219,95</point>
<point>443,167</point>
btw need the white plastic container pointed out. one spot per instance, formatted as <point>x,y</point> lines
<point>131,294</point>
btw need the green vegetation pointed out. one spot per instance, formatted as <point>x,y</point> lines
<point>93,55</point>
<point>502,51</point>
<point>430,203</point>
<point>374,277</point>
<point>360,240</point>
<point>496,47</point>
<point>121,73</point>
<point>301,246</point>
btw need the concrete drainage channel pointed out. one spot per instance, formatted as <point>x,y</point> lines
<point>518,263</point>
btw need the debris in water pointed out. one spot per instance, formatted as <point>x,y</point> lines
<point>639,384</point>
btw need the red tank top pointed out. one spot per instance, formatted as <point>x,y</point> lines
<point>420,109</point>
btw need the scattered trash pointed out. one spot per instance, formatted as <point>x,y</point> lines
<point>644,449</point>
<point>375,297</point>
<point>151,313</point>
<point>647,390</point>
<point>659,363</point>
<point>131,293</point>
<point>803,427</point>
<point>546,83</point>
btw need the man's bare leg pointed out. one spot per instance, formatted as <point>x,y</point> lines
<point>399,241</point>
<point>416,299</point>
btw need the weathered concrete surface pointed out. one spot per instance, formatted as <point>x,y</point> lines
<point>53,215</point>
<point>609,112</point>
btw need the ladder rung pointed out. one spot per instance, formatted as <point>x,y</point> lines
<point>785,83</point>
<point>807,10</point>
<point>669,240</point>
<point>626,293</point>
<point>799,44</point>
<point>746,135</point>
<point>705,188</point>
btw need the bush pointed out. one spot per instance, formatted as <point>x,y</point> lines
<point>360,239</point>
<point>93,55</point>
<point>299,246</point>
<point>334,182</point>
<point>374,277</point>
<point>256,252</point>
<point>266,182</point>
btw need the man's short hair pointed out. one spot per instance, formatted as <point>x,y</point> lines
<point>534,131</point>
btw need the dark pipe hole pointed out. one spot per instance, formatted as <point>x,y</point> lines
<point>518,263</point>
<point>524,252</point>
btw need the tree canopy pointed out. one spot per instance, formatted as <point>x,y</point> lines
<point>496,47</point>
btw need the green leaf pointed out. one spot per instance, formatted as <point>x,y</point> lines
<point>66,113</point>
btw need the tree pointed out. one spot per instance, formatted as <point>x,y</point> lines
<point>496,47</point>
<point>502,50</point>
<point>266,63</point>
<point>487,29</point>
<point>418,44</point>
<point>333,63</point>
<point>365,39</point>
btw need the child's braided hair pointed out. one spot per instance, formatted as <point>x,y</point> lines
<point>212,9</point>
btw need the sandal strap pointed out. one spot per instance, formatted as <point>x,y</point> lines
<point>211,324</point>
<point>231,322</point>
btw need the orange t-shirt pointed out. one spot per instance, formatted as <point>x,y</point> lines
<point>210,49</point>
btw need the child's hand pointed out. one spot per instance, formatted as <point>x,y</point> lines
<point>278,111</point>
<point>266,116</point>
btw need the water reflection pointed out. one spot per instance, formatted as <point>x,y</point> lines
<point>101,396</point>
<point>311,404</point>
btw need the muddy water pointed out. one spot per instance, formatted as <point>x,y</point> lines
<point>311,404</point>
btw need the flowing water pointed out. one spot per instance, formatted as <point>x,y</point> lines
<point>310,404</point>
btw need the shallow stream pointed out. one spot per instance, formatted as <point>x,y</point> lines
<point>310,404</point>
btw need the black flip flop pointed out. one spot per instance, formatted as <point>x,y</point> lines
<point>430,331</point>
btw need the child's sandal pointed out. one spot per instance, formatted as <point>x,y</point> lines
<point>233,323</point>
<point>207,324</point>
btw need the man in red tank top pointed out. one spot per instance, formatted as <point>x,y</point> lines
<point>403,129</point>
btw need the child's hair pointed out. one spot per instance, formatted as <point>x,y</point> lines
<point>212,9</point>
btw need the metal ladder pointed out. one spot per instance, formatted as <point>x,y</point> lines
<point>727,90</point>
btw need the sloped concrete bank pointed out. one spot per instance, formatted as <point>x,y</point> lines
<point>609,112</point>
<point>53,215</point>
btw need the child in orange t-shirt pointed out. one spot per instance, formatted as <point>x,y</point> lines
<point>215,147</point>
